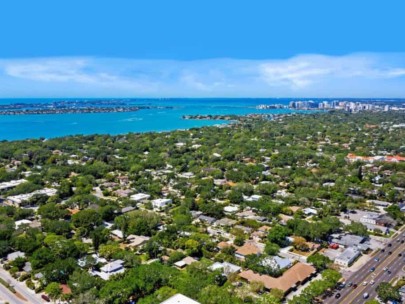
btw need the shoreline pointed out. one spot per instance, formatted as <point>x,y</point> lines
<point>86,110</point>
<point>233,120</point>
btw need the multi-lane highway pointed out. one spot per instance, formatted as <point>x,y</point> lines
<point>388,259</point>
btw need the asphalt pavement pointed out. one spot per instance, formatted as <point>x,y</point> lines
<point>7,296</point>
<point>21,288</point>
<point>392,261</point>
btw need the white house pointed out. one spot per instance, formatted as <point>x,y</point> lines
<point>179,299</point>
<point>14,255</point>
<point>11,184</point>
<point>347,257</point>
<point>227,268</point>
<point>161,203</point>
<point>370,219</point>
<point>310,211</point>
<point>16,200</point>
<point>139,197</point>
<point>253,198</point>
<point>231,209</point>
<point>21,222</point>
<point>110,269</point>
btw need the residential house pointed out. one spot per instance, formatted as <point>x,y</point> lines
<point>127,209</point>
<point>110,269</point>
<point>14,255</point>
<point>161,203</point>
<point>252,198</point>
<point>207,219</point>
<point>185,262</point>
<point>292,278</point>
<point>179,299</point>
<point>117,233</point>
<point>137,241</point>
<point>231,209</point>
<point>225,222</point>
<point>227,268</point>
<point>310,211</point>
<point>275,262</point>
<point>139,197</point>
<point>123,180</point>
<point>250,247</point>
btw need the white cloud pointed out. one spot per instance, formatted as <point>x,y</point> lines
<point>304,75</point>
<point>303,71</point>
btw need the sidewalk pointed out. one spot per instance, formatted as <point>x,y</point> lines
<point>21,288</point>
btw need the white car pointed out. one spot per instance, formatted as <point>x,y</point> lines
<point>372,282</point>
<point>365,283</point>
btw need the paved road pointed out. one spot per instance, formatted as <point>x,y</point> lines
<point>7,296</point>
<point>392,261</point>
<point>21,288</point>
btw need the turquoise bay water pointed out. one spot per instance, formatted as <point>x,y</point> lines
<point>49,126</point>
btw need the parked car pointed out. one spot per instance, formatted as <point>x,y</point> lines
<point>46,298</point>
<point>337,296</point>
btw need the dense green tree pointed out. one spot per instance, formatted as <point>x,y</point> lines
<point>387,292</point>
<point>319,261</point>
<point>87,220</point>
<point>278,235</point>
<point>53,290</point>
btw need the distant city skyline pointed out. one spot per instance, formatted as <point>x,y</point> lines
<point>208,48</point>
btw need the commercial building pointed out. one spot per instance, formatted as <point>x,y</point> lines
<point>347,257</point>
<point>292,278</point>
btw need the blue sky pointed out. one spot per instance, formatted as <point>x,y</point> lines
<point>202,48</point>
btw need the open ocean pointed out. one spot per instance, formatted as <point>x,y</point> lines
<point>146,120</point>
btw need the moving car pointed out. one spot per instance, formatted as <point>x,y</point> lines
<point>372,269</point>
<point>365,295</point>
<point>377,259</point>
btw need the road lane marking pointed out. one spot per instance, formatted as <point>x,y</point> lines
<point>390,259</point>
